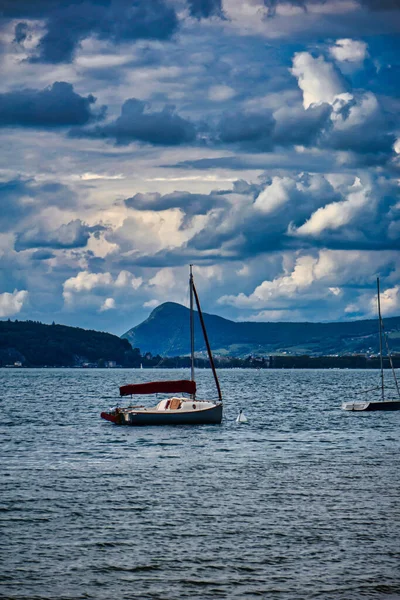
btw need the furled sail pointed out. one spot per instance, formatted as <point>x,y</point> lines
<point>159,387</point>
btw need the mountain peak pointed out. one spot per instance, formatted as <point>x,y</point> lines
<point>167,332</point>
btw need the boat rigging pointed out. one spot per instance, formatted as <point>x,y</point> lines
<point>383,403</point>
<point>176,410</point>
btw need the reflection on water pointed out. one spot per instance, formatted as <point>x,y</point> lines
<point>302,502</point>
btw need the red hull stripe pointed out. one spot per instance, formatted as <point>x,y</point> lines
<point>108,417</point>
<point>161,387</point>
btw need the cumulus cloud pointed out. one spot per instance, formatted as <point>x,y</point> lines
<point>282,287</point>
<point>348,50</point>
<point>11,304</point>
<point>205,8</point>
<point>337,214</point>
<point>359,125</point>
<point>138,123</point>
<point>21,198</point>
<point>353,121</point>
<point>108,304</point>
<point>74,234</point>
<point>190,204</point>
<point>54,106</point>
<point>310,278</point>
<point>318,79</point>
<point>390,301</point>
<point>307,209</point>
<point>147,232</point>
<point>69,23</point>
<point>126,279</point>
<point>93,289</point>
<point>220,93</point>
<point>366,303</point>
<point>247,128</point>
<point>21,32</point>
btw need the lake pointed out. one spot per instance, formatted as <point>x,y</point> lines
<point>300,503</point>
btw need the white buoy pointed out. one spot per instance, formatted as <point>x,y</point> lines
<point>241,418</point>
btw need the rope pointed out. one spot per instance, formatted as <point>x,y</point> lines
<point>391,362</point>
<point>366,391</point>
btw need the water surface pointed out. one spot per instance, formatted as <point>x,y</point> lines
<point>300,503</point>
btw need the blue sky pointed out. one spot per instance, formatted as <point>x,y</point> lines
<point>259,140</point>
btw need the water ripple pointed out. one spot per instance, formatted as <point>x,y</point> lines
<point>301,503</point>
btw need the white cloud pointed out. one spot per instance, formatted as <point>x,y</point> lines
<point>91,176</point>
<point>335,215</point>
<point>336,291</point>
<point>276,315</point>
<point>151,303</point>
<point>286,285</point>
<point>11,304</point>
<point>363,109</point>
<point>147,232</point>
<point>164,279</point>
<point>220,93</point>
<point>319,80</point>
<point>170,285</point>
<point>85,282</point>
<point>275,195</point>
<point>125,279</point>
<point>348,50</point>
<point>390,301</point>
<point>366,303</point>
<point>324,276</point>
<point>108,304</point>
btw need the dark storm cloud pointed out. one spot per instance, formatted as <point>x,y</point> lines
<point>369,133</point>
<point>286,161</point>
<point>382,4</point>
<point>205,8</point>
<point>74,234</point>
<point>356,124</point>
<point>42,255</point>
<point>234,163</point>
<point>271,5</point>
<point>55,106</point>
<point>247,128</point>
<point>21,32</point>
<point>163,128</point>
<point>298,126</point>
<point>190,204</point>
<point>356,215</point>
<point>263,131</point>
<point>378,5</point>
<point>22,198</point>
<point>69,22</point>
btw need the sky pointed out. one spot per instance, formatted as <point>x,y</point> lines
<point>257,139</point>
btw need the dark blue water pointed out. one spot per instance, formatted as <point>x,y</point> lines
<point>302,502</point>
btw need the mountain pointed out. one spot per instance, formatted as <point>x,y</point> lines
<point>166,332</point>
<point>35,344</point>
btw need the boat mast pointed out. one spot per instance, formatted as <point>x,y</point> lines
<point>191,325</point>
<point>380,340</point>
<point>210,356</point>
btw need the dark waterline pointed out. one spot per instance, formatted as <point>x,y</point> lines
<point>300,503</point>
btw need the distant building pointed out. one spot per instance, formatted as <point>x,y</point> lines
<point>110,364</point>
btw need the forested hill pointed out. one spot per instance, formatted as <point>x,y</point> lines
<point>35,344</point>
<point>166,332</point>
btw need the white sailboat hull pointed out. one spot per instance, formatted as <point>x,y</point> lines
<point>211,415</point>
<point>372,406</point>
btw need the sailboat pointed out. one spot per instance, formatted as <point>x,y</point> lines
<point>175,410</point>
<point>383,403</point>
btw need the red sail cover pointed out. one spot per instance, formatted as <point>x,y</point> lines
<point>159,387</point>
